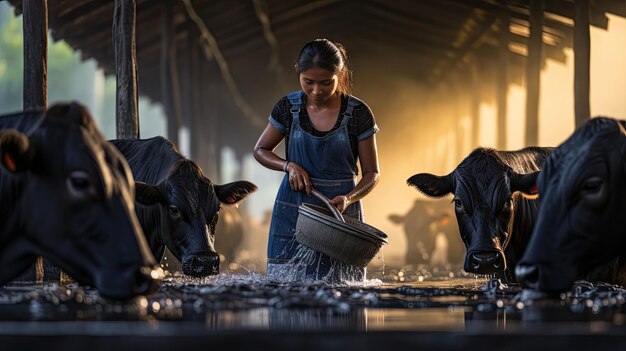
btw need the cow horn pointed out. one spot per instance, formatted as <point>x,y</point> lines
<point>16,153</point>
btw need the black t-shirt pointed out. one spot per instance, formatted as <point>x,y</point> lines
<point>361,126</point>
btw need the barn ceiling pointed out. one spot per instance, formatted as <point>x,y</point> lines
<point>422,40</point>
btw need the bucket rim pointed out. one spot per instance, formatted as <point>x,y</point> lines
<point>323,215</point>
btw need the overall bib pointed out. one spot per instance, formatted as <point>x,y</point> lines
<point>332,170</point>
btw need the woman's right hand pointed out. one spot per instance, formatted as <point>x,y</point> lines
<point>298,178</point>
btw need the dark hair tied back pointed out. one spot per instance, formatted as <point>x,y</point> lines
<point>328,55</point>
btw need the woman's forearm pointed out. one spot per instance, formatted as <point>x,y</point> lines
<point>363,187</point>
<point>269,159</point>
<point>264,149</point>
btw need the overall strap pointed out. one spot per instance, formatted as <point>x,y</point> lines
<point>352,102</point>
<point>295,99</point>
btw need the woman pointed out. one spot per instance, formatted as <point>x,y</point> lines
<point>326,130</point>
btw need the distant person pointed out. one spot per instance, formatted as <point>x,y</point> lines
<point>326,130</point>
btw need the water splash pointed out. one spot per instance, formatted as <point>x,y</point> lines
<point>308,265</point>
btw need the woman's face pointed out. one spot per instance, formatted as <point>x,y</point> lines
<point>319,84</point>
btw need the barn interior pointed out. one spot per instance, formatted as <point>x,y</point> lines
<point>441,76</point>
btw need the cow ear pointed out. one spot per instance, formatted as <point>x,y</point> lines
<point>525,183</point>
<point>432,185</point>
<point>147,194</point>
<point>233,193</point>
<point>16,151</point>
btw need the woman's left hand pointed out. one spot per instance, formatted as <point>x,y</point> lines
<point>341,202</point>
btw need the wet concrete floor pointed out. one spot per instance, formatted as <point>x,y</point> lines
<point>396,307</point>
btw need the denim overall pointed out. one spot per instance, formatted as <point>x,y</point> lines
<point>332,169</point>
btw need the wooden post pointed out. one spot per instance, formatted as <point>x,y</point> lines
<point>502,82</point>
<point>35,31</point>
<point>124,48</point>
<point>533,72</point>
<point>199,143</point>
<point>183,71</point>
<point>187,96</point>
<point>582,49</point>
<point>475,97</point>
<point>458,96</point>
<point>212,97</point>
<point>168,73</point>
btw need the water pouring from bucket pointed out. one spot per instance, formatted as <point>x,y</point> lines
<point>349,243</point>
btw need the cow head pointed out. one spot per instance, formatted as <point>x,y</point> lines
<point>75,205</point>
<point>190,205</point>
<point>484,191</point>
<point>582,220</point>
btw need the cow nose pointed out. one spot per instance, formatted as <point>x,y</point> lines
<point>527,275</point>
<point>147,279</point>
<point>485,262</point>
<point>201,265</point>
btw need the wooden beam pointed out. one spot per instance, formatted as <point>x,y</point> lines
<point>564,9</point>
<point>400,18</point>
<point>35,31</point>
<point>471,39</point>
<point>582,49</point>
<point>616,7</point>
<point>82,13</point>
<point>126,112</point>
<point>533,72</point>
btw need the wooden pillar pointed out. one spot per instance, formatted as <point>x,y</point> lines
<point>35,31</point>
<point>183,70</point>
<point>124,48</point>
<point>193,115</point>
<point>475,97</point>
<point>169,76</point>
<point>582,50</point>
<point>502,83</point>
<point>458,96</point>
<point>199,148</point>
<point>212,93</point>
<point>533,72</point>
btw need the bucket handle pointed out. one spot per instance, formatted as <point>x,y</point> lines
<point>330,206</point>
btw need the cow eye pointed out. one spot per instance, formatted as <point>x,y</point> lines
<point>79,184</point>
<point>593,191</point>
<point>593,185</point>
<point>174,211</point>
<point>458,204</point>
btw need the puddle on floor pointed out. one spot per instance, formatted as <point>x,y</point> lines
<point>444,301</point>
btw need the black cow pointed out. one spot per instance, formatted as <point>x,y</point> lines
<point>67,194</point>
<point>176,204</point>
<point>422,224</point>
<point>495,220</point>
<point>582,221</point>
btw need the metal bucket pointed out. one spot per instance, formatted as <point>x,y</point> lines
<point>342,238</point>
